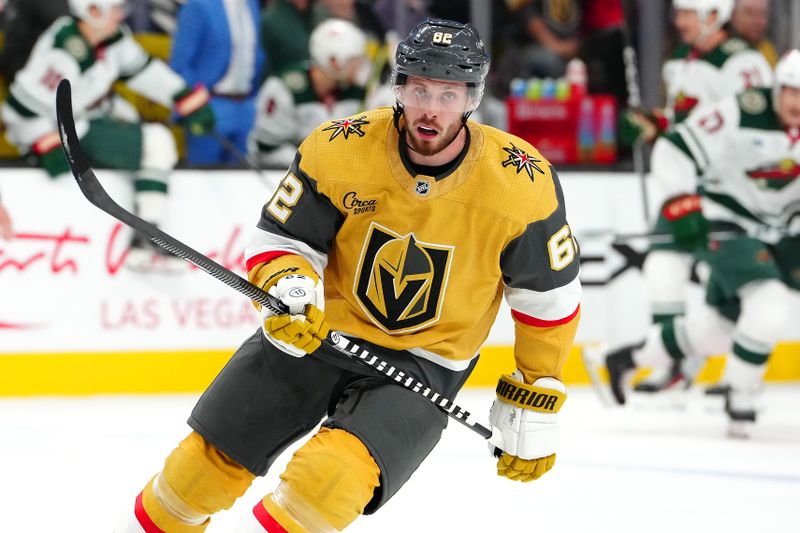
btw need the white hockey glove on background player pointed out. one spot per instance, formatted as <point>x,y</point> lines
<point>303,329</point>
<point>525,416</point>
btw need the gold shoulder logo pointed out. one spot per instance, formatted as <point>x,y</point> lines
<point>521,160</point>
<point>346,126</point>
<point>401,281</point>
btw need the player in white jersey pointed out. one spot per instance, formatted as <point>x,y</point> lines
<point>744,154</point>
<point>300,98</point>
<point>709,65</point>
<point>93,49</point>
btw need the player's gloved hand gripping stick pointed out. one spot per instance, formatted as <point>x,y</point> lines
<point>334,345</point>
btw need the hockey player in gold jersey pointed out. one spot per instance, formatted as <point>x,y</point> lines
<point>402,229</point>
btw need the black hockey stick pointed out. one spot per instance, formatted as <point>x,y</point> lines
<point>653,238</point>
<point>634,104</point>
<point>332,347</point>
<point>230,147</point>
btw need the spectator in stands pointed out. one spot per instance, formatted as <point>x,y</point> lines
<point>403,16</point>
<point>553,27</point>
<point>534,39</point>
<point>6,231</point>
<point>750,21</point>
<point>206,51</point>
<point>23,22</point>
<point>285,30</point>
<point>359,12</point>
<point>603,42</point>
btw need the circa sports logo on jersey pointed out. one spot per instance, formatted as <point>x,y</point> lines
<point>346,126</point>
<point>401,281</point>
<point>522,161</point>
<point>353,203</point>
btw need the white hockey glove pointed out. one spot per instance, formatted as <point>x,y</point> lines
<point>302,330</point>
<point>524,420</point>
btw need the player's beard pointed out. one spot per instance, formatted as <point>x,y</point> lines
<point>434,146</point>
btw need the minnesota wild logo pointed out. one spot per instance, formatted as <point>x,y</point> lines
<point>522,160</point>
<point>777,175</point>
<point>346,126</point>
<point>401,280</point>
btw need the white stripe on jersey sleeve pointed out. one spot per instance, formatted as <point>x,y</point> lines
<point>264,241</point>
<point>549,305</point>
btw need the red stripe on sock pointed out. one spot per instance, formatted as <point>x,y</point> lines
<point>265,257</point>
<point>539,323</point>
<point>144,520</point>
<point>265,519</point>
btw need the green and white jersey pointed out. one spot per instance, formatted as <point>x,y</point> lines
<point>747,164</point>
<point>62,52</point>
<point>693,79</point>
<point>288,110</point>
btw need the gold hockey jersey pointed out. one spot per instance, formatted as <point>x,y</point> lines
<point>420,263</point>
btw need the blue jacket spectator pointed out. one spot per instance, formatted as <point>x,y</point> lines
<point>204,50</point>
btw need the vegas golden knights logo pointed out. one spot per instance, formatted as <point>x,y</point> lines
<point>401,281</point>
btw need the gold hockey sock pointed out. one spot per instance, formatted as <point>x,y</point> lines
<point>326,485</point>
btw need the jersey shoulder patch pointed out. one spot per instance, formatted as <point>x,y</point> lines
<point>345,127</point>
<point>69,39</point>
<point>516,174</point>
<point>719,55</point>
<point>298,81</point>
<point>515,155</point>
<point>326,140</point>
<point>756,110</point>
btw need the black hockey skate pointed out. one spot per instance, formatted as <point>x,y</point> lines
<point>720,390</point>
<point>620,366</point>
<point>740,406</point>
<point>666,379</point>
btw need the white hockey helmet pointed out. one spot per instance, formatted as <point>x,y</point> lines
<point>336,39</point>
<point>787,73</point>
<point>704,8</point>
<point>80,8</point>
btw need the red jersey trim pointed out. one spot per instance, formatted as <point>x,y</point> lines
<point>265,519</point>
<point>142,517</point>
<point>539,323</point>
<point>264,257</point>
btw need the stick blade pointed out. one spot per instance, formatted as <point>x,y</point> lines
<point>66,129</point>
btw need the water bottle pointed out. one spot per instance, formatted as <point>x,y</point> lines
<point>607,132</point>
<point>562,89</point>
<point>548,89</point>
<point>517,87</point>
<point>586,136</point>
<point>577,77</point>
<point>534,89</point>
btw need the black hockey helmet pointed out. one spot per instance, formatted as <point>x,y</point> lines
<point>443,50</point>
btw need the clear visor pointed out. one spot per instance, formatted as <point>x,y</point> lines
<point>437,95</point>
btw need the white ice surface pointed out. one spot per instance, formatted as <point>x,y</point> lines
<point>73,464</point>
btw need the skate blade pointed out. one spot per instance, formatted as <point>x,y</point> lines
<point>714,403</point>
<point>740,429</point>
<point>593,356</point>
<point>666,400</point>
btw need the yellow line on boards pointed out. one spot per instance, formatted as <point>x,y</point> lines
<point>192,371</point>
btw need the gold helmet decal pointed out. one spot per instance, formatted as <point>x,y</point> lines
<point>401,281</point>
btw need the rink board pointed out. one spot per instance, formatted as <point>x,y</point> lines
<point>74,320</point>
